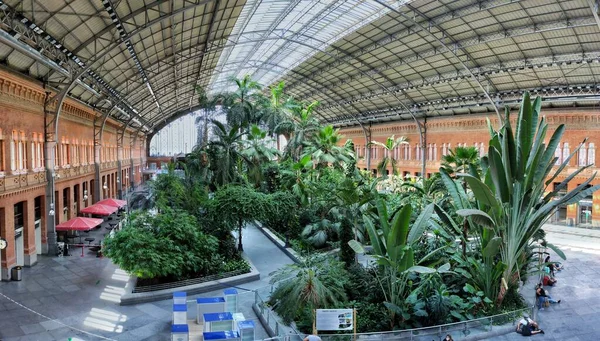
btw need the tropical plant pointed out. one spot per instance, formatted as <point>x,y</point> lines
<point>461,160</point>
<point>388,146</point>
<point>316,282</point>
<point>281,107</point>
<point>301,124</point>
<point>239,205</point>
<point>168,244</point>
<point>227,149</point>
<point>318,233</point>
<point>324,148</point>
<point>394,249</point>
<point>515,199</point>
<point>258,152</point>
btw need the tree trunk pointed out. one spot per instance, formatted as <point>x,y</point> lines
<point>240,246</point>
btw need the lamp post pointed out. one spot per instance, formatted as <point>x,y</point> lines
<point>104,187</point>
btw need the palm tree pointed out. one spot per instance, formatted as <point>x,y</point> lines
<point>280,107</point>
<point>324,148</point>
<point>390,144</point>
<point>300,124</point>
<point>461,160</point>
<point>244,106</point>
<point>316,282</point>
<point>258,152</point>
<point>226,151</point>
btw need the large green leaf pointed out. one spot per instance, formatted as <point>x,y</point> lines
<point>492,248</point>
<point>356,246</point>
<point>400,226</point>
<point>478,217</point>
<point>421,269</point>
<point>420,225</point>
<point>482,192</point>
<point>557,251</point>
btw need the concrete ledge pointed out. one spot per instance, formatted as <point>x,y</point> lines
<point>129,298</point>
<point>279,243</point>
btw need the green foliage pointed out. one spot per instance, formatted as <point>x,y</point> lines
<point>315,283</point>
<point>389,145</point>
<point>167,245</point>
<point>239,205</point>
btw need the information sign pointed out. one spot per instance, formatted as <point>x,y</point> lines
<point>335,319</point>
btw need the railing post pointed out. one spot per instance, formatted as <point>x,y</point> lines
<point>256,297</point>
<point>277,328</point>
<point>491,321</point>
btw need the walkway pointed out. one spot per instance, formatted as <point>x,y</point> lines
<point>83,293</point>
<point>576,317</point>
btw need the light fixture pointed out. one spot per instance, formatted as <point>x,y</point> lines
<point>105,186</point>
<point>51,212</point>
<point>118,179</point>
<point>65,209</point>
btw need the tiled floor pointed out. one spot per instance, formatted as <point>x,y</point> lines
<point>83,293</point>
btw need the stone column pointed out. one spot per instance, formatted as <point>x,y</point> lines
<point>29,232</point>
<point>7,230</point>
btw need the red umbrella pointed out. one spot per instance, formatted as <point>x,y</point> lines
<point>99,209</point>
<point>112,202</point>
<point>79,224</point>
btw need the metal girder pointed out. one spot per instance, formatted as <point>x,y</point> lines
<point>291,5</point>
<point>490,69</point>
<point>69,64</point>
<point>559,93</point>
<point>594,7</point>
<point>206,42</point>
<point>463,44</point>
<point>444,17</point>
<point>256,64</point>
<point>110,9</point>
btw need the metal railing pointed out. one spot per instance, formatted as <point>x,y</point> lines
<point>282,332</point>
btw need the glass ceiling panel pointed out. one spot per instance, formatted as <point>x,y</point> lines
<point>309,25</point>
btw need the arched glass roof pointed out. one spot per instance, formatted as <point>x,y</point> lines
<point>368,61</point>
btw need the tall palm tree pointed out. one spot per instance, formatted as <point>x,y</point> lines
<point>325,149</point>
<point>226,149</point>
<point>389,145</point>
<point>258,152</point>
<point>244,106</point>
<point>280,106</point>
<point>300,124</point>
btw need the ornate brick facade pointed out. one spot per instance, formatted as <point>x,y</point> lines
<point>23,173</point>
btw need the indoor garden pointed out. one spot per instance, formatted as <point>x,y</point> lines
<point>451,247</point>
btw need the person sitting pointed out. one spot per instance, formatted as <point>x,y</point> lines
<point>528,326</point>
<point>542,296</point>
<point>549,281</point>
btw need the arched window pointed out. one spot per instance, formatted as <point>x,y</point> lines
<point>582,155</point>
<point>558,155</point>
<point>13,151</point>
<point>417,152</point>
<point>429,152</point>
<point>591,154</point>
<point>435,152</point>
<point>481,149</point>
<point>566,151</point>
<point>2,154</point>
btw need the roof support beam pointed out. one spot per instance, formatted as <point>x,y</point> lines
<point>110,9</point>
<point>559,93</point>
<point>487,70</point>
<point>462,45</point>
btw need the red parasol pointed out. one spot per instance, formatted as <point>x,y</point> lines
<point>99,209</point>
<point>79,224</point>
<point>112,202</point>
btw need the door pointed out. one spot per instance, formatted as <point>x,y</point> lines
<point>19,247</point>
<point>38,237</point>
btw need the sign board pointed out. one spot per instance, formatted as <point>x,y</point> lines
<point>335,319</point>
